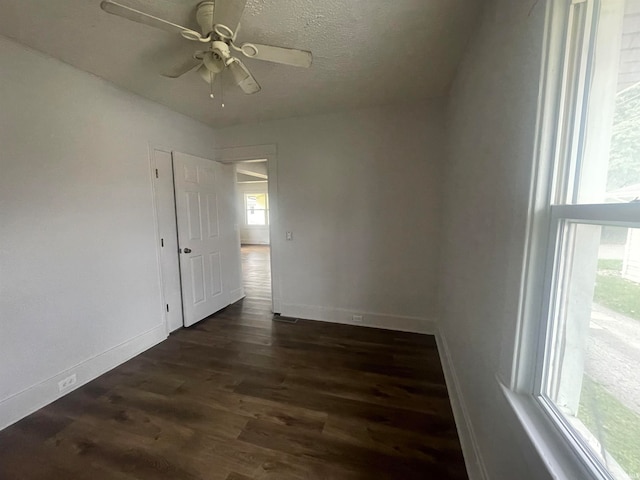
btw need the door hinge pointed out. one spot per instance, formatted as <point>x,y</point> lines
<point>162,242</point>
<point>167,307</point>
<point>156,173</point>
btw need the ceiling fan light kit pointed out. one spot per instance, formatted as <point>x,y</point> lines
<point>213,62</point>
<point>219,23</point>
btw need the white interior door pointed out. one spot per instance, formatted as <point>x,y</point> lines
<point>206,234</point>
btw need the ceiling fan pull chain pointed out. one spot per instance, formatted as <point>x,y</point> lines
<point>222,92</point>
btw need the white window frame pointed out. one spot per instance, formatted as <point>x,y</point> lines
<point>551,206</point>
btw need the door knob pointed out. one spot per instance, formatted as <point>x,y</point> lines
<point>187,250</point>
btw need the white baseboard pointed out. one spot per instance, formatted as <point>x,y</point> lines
<point>468,440</point>
<point>369,319</point>
<point>37,396</point>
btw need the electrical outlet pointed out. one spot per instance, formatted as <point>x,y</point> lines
<point>289,235</point>
<point>67,383</point>
<point>357,318</point>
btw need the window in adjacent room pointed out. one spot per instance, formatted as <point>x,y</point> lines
<point>256,209</point>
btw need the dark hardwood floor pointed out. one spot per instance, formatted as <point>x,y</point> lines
<point>240,397</point>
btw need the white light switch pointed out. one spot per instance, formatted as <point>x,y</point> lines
<point>289,235</point>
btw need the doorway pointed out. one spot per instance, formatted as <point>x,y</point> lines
<point>252,198</point>
<point>250,164</point>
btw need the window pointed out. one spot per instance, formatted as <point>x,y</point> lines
<point>256,209</point>
<point>587,372</point>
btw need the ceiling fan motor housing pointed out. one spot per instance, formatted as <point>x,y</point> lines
<point>204,17</point>
<point>222,50</point>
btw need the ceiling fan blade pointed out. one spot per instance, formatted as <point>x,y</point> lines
<point>243,77</point>
<point>134,15</point>
<point>181,69</point>
<point>229,12</point>
<point>287,56</point>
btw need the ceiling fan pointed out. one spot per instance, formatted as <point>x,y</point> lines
<point>219,22</point>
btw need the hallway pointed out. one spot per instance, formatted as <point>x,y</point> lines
<point>256,274</point>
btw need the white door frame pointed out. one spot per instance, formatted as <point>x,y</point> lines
<point>164,243</point>
<point>268,152</point>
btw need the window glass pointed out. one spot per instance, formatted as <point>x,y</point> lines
<point>256,209</point>
<point>610,169</point>
<point>593,368</point>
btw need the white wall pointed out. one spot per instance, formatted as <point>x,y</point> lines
<point>78,270</point>
<point>251,234</point>
<point>360,192</point>
<point>491,128</point>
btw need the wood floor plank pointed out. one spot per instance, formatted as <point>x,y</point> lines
<point>237,476</point>
<point>436,402</point>
<point>181,409</point>
<point>25,457</point>
<point>352,457</point>
<point>391,440</point>
<point>119,450</point>
<point>314,400</point>
<point>255,408</point>
<point>238,397</point>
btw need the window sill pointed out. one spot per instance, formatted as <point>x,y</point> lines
<point>553,449</point>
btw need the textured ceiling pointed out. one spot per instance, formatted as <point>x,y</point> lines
<point>366,52</point>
